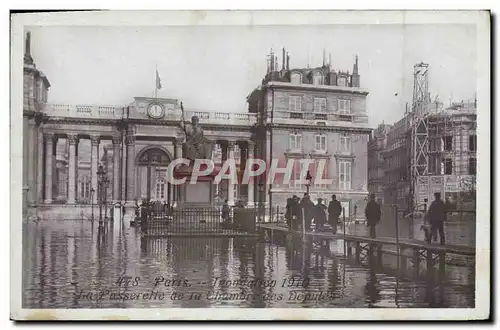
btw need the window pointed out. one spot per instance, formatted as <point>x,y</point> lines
<point>160,188</point>
<point>320,143</point>
<point>472,166</point>
<point>317,166</point>
<point>295,179</point>
<point>295,103</point>
<point>448,166</point>
<point>295,141</point>
<point>342,81</point>
<point>39,89</point>
<point>318,78</point>
<point>320,104</point>
<point>296,78</point>
<point>345,143</point>
<point>344,106</point>
<point>448,143</point>
<point>345,175</point>
<point>472,143</point>
<point>85,187</point>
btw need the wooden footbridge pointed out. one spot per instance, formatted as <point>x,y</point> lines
<point>362,246</point>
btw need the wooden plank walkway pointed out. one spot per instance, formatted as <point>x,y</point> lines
<point>403,243</point>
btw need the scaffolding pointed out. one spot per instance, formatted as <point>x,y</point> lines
<point>419,122</point>
<point>431,149</point>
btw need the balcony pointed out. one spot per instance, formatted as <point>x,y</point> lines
<point>320,118</point>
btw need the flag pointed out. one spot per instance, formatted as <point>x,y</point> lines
<point>158,80</point>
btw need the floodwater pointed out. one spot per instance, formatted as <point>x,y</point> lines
<point>73,264</point>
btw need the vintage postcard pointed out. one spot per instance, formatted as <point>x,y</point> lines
<point>250,165</point>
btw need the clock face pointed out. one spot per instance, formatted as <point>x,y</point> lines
<point>156,111</point>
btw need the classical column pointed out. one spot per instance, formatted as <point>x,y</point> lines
<point>32,139</point>
<point>49,149</point>
<point>267,197</point>
<point>130,141</point>
<point>177,154</point>
<point>116,167</point>
<point>251,181</point>
<point>223,186</point>
<point>72,141</point>
<point>94,157</point>
<point>39,166</point>
<point>230,183</point>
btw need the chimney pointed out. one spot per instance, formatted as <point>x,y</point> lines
<point>287,61</point>
<point>355,74</point>
<point>283,59</point>
<point>27,52</point>
<point>324,57</point>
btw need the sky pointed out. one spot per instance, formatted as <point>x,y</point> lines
<point>214,68</point>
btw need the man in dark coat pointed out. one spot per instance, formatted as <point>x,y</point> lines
<point>372,214</point>
<point>334,211</point>
<point>319,215</point>
<point>288,213</point>
<point>436,216</point>
<point>307,205</point>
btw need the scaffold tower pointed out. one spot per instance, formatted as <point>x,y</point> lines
<point>419,127</point>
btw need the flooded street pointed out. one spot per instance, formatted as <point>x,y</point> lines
<point>71,264</point>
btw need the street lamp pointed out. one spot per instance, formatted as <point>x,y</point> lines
<point>308,181</point>
<point>102,184</point>
<point>92,192</point>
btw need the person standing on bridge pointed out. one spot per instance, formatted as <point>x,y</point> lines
<point>436,216</point>
<point>372,214</point>
<point>319,215</point>
<point>334,210</point>
<point>308,207</point>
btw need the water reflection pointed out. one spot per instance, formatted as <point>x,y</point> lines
<point>70,264</point>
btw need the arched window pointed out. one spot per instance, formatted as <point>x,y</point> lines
<point>160,189</point>
<point>85,187</point>
<point>296,78</point>
<point>318,79</point>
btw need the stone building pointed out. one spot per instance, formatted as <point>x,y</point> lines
<point>63,145</point>
<point>318,114</point>
<point>376,163</point>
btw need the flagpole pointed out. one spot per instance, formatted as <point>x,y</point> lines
<point>156,81</point>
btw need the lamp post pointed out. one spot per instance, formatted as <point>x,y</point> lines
<point>92,192</point>
<point>308,181</point>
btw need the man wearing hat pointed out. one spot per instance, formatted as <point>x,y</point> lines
<point>436,216</point>
<point>334,210</point>
<point>372,214</point>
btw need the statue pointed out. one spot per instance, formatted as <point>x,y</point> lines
<point>196,146</point>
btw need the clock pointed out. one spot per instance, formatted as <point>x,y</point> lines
<point>156,110</point>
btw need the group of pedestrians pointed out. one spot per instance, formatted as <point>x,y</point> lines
<point>321,214</point>
<point>296,208</point>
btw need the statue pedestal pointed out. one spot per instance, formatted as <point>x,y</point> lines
<point>199,194</point>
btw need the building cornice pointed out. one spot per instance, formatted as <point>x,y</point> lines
<point>359,130</point>
<point>142,122</point>
<point>317,88</point>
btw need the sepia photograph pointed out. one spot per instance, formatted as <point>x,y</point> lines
<point>291,165</point>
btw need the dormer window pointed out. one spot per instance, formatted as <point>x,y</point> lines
<point>296,78</point>
<point>342,81</point>
<point>318,79</point>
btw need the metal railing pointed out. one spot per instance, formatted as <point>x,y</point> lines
<point>195,221</point>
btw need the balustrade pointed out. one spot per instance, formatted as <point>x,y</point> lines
<point>112,112</point>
